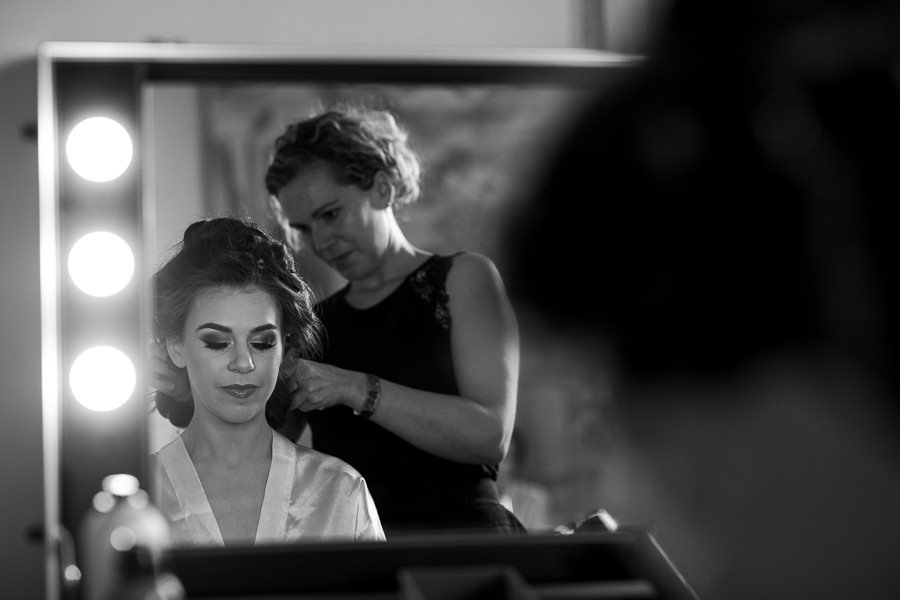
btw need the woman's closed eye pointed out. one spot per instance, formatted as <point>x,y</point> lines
<point>329,215</point>
<point>216,345</point>
<point>263,345</point>
<point>259,345</point>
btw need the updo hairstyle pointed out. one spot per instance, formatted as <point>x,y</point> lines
<point>234,253</point>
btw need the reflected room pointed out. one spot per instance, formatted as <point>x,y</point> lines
<point>197,127</point>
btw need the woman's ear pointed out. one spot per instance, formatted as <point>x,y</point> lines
<point>384,189</point>
<point>175,353</point>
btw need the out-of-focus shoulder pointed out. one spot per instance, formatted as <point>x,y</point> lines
<point>472,259</point>
<point>472,268</point>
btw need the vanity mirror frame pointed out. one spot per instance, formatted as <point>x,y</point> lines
<point>77,79</point>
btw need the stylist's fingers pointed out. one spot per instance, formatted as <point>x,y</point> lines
<point>304,403</point>
<point>162,372</point>
<point>315,386</point>
<point>165,377</point>
<point>299,397</point>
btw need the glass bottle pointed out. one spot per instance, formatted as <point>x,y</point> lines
<point>121,520</point>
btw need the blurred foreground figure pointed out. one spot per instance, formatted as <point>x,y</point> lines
<point>733,203</point>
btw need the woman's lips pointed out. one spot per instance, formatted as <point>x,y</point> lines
<point>239,391</point>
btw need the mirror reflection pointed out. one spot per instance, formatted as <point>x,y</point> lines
<point>480,148</point>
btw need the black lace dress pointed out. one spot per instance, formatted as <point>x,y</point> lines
<point>405,339</point>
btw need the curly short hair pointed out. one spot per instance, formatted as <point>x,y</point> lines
<point>358,142</point>
<point>231,252</point>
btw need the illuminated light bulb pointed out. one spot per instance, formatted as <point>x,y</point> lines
<point>101,263</point>
<point>121,484</point>
<point>102,378</point>
<point>72,574</point>
<point>99,149</point>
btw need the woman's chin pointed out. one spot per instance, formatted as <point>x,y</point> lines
<point>243,416</point>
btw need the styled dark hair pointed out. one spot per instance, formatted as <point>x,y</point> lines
<point>358,142</point>
<point>231,252</point>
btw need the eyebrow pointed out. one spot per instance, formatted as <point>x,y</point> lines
<point>316,213</point>
<point>225,329</point>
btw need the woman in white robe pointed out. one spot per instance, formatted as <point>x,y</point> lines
<point>230,309</point>
<point>308,495</point>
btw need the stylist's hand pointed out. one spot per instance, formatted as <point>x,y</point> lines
<point>321,386</point>
<point>165,377</point>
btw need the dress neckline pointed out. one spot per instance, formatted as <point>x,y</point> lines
<point>346,288</point>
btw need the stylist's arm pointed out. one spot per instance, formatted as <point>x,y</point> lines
<point>473,427</point>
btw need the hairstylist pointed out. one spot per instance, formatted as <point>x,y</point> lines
<point>417,384</point>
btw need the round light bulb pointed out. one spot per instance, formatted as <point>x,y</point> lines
<point>101,263</point>
<point>72,574</point>
<point>121,484</point>
<point>99,149</point>
<point>102,378</point>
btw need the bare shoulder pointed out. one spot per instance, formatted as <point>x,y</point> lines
<point>472,271</point>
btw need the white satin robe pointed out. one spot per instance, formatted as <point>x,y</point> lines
<point>309,495</point>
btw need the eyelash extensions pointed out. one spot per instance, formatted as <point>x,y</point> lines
<point>222,346</point>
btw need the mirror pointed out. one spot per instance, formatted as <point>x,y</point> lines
<point>482,122</point>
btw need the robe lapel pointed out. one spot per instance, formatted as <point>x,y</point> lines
<point>197,512</point>
<point>276,503</point>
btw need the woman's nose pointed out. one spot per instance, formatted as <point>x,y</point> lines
<point>241,360</point>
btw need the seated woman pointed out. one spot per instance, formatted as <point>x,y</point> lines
<point>231,310</point>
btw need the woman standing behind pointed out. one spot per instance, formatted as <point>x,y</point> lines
<point>232,312</point>
<point>417,384</point>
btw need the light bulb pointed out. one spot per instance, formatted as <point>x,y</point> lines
<point>99,149</point>
<point>101,263</point>
<point>102,378</point>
